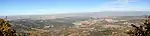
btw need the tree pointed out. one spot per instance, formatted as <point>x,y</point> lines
<point>142,30</point>
<point>6,29</point>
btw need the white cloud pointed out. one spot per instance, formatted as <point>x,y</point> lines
<point>120,5</point>
<point>116,5</point>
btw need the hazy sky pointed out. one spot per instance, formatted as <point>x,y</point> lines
<point>27,7</point>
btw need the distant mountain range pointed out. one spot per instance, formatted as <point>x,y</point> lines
<point>100,14</point>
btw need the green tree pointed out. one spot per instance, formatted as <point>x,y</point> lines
<point>142,30</point>
<point>5,28</point>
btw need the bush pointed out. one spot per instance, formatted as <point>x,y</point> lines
<point>6,29</point>
<point>142,30</point>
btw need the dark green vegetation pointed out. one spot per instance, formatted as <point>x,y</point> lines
<point>5,28</point>
<point>142,30</point>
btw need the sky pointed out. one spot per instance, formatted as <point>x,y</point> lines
<point>29,7</point>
